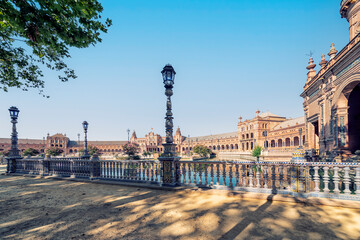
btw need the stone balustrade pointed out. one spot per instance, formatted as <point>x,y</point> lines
<point>309,179</point>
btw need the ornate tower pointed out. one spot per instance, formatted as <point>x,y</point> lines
<point>350,9</point>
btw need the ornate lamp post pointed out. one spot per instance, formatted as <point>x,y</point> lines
<point>300,140</point>
<point>168,158</point>
<point>128,132</point>
<point>14,151</point>
<point>86,153</point>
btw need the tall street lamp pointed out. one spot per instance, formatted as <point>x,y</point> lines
<point>168,158</point>
<point>14,151</point>
<point>86,153</point>
<point>300,140</point>
<point>128,132</point>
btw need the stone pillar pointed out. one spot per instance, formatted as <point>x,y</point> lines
<point>169,170</point>
<point>45,165</point>
<point>94,167</point>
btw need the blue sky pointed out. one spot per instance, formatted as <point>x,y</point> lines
<point>231,57</point>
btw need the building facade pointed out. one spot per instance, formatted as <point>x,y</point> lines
<point>282,135</point>
<point>332,95</point>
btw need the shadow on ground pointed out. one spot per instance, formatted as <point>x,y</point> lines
<point>48,209</point>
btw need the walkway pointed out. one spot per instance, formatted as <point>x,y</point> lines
<point>34,208</point>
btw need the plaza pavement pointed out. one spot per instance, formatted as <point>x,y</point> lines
<point>38,208</point>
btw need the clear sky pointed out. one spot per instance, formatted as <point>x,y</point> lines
<point>231,57</point>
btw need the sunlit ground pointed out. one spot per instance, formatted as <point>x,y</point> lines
<point>33,208</point>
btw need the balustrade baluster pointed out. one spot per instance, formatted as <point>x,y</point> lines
<point>183,173</point>
<point>230,176</point>
<point>199,167</point>
<point>224,174</point>
<point>258,185</point>
<point>326,179</point>
<point>217,174</point>
<point>207,183</point>
<point>265,175</point>
<point>288,178</point>
<point>273,179</point>
<point>142,171</point>
<point>116,167</point>
<point>347,180</point>
<point>316,179</point>
<point>237,175</point>
<point>244,175</point>
<point>251,175</point>
<point>212,175</point>
<point>156,172</point>
<point>149,172</point>
<point>281,176</point>
<point>302,178</point>
<point>336,180</point>
<point>111,169</point>
<point>120,170</point>
<point>357,181</point>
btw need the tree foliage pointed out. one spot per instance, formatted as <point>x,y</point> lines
<point>37,34</point>
<point>92,150</point>
<point>131,149</point>
<point>203,151</point>
<point>31,152</point>
<point>257,151</point>
<point>5,153</point>
<point>54,151</point>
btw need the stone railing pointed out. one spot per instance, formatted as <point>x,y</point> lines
<point>139,170</point>
<point>309,179</point>
<point>135,170</point>
<point>331,180</point>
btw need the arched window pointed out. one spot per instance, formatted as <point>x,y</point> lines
<point>272,143</point>
<point>252,145</point>
<point>247,136</point>
<point>296,141</point>
<point>287,142</point>
<point>247,146</point>
<point>251,135</point>
<point>280,143</point>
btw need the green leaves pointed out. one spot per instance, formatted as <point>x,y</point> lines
<point>257,151</point>
<point>203,151</point>
<point>46,29</point>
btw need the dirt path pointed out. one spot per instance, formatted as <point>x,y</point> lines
<point>48,209</point>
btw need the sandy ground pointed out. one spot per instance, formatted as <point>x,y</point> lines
<point>34,208</point>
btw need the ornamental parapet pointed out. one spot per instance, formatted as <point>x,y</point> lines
<point>330,65</point>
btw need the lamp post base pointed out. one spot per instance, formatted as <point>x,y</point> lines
<point>170,175</point>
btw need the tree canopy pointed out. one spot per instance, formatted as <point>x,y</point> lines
<point>257,151</point>
<point>54,151</point>
<point>37,34</point>
<point>31,152</point>
<point>92,150</point>
<point>203,151</point>
<point>131,149</point>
